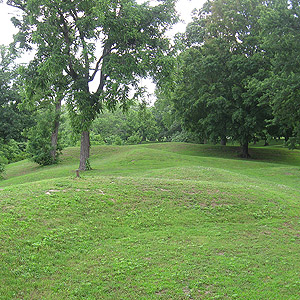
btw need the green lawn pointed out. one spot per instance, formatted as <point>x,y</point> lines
<point>154,221</point>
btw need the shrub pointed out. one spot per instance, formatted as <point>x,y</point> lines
<point>96,139</point>
<point>39,140</point>
<point>186,136</point>
<point>13,151</point>
<point>134,139</point>
<point>114,140</point>
<point>3,162</point>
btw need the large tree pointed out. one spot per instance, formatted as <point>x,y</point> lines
<point>280,22</point>
<point>43,93</point>
<point>217,72</point>
<point>12,121</point>
<point>103,47</point>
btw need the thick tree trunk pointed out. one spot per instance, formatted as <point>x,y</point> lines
<point>54,136</point>
<point>223,141</point>
<point>84,150</point>
<point>245,150</point>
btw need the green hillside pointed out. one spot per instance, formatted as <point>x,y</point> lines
<point>153,221</point>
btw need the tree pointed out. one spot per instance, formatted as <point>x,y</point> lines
<point>166,116</point>
<point>39,146</point>
<point>224,59</point>
<point>132,127</point>
<point>113,43</point>
<point>12,120</point>
<point>281,40</point>
<point>43,93</point>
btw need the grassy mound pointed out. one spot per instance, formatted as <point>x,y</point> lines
<point>159,221</point>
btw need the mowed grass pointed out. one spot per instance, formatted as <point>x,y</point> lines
<point>157,221</point>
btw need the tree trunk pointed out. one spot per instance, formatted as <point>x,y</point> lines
<point>223,141</point>
<point>245,149</point>
<point>54,136</point>
<point>84,150</point>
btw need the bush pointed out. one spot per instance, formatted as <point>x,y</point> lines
<point>96,139</point>
<point>187,137</point>
<point>13,151</point>
<point>114,140</point>
<point>3,162</point>
<point>134,139</point>
<point>39,140</point>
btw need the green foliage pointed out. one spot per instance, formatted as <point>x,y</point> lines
<point>136,125</point>
<point>67,36</point>
<point>214,92</point>
<point>187,137</point>
<point>134,139</point>
<point>114,140</point>
<point>13,151</point>
<point>39,145</point>
<point>167,118</point>
<point>3,162</point>
<point>12,120</point>
<point>281,41</point>
<point>96,139</point>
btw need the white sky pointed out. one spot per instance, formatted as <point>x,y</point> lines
<point>184,8</point>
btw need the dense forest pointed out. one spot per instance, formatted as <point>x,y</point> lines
<point>234,75</point>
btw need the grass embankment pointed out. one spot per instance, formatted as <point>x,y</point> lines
<point>160,221</point>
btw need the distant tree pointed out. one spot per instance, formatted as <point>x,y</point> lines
<point>166,116</point>
<point>215,94</point>
<point>132,127</point>
<point>113,43</point>
<point>12,120</point>
<point>43,92</point>
<point>280,22</point>
<point>39,146</point>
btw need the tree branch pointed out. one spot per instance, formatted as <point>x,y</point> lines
<point>65,32</point>
<point>16,5</point>
<point>105,53</point>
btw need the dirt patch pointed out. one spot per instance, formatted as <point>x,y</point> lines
<point>186,291</point>
<point>161,292</point>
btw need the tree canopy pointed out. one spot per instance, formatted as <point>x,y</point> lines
<point>221,62</point>
<point>102,47</point>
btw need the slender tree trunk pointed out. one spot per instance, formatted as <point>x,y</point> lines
<point>54,136</point>
<point>84,150</point>
<point>245,150</point>
<point>223,141</point>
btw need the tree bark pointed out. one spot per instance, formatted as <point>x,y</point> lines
<point>54,136</point>
<point>223,141</point>
<point>84,150</point>
<point>245,150</point>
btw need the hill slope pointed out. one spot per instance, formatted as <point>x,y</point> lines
<point>159,221</point>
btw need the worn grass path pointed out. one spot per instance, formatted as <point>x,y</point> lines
<point>157,221</point>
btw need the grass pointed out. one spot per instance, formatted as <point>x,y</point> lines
<point>157,221</point>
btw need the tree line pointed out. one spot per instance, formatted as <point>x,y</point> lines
<point>233,75</point>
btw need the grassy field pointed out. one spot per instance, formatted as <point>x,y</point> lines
<point>155,221</point>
